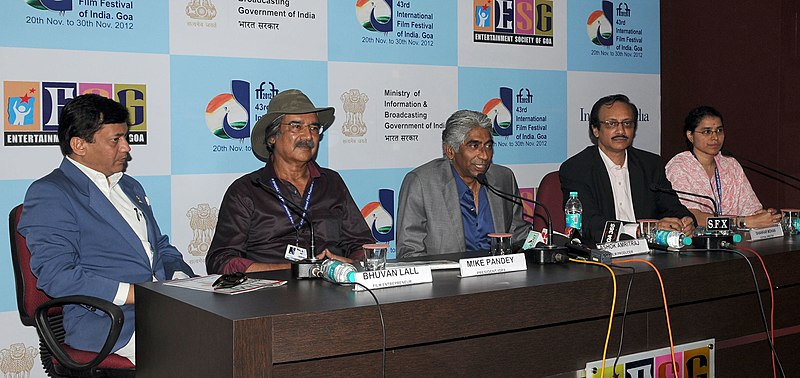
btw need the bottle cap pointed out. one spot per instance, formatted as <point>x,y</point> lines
<point>351,276</point>
<point>573,194</point>
<point>687,240</point>
<point>737,238</point>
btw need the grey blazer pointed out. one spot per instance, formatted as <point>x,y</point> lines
<point>429,216</point>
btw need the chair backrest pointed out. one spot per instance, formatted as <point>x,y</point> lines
<point>549,193</point>
<point>29,297</point>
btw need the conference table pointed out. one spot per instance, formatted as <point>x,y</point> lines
<point>549,320</point>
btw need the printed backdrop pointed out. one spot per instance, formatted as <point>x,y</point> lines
<point>197,74</point>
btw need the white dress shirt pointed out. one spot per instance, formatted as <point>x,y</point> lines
<point>621,187</point>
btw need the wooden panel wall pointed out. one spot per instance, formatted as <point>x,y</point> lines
<point>743,59</point>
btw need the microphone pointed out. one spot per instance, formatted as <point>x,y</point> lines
<point>709,239</point>
<point>656,188</point>
<point>548,253</point>
<point>297,209</point>
<point>728,153</point>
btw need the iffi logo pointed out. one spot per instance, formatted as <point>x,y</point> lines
<point>375,15</point>
<point>380,216</point>
<point>52,5</point>
<point>499,110</point>
<point>519,22</point>
<point>228,114</point>
<point>600,25</point>
<point>32,109</point>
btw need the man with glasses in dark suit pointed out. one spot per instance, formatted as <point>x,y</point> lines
<point>614,180</point>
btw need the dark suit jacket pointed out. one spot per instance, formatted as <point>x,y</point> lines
<point>429,214</point>
<point>81,245</point>
<point>586,174</point>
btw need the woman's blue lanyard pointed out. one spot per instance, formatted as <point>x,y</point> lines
<point>718,182</point>
<point>297,227</point>
<point>719,189</point>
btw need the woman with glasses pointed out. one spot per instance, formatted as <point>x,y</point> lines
<point>704,170</point>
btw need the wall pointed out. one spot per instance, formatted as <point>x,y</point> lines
<point>745,61</point>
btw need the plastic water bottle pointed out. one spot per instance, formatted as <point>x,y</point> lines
<point>337,271</point>
<point>672,239</point>
<point>573,211</point>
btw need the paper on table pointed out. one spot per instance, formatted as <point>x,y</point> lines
<point>205,283</point>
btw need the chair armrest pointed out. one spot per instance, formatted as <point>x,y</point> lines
<point>51,341</point>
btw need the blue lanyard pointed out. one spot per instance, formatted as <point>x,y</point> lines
<point>719,184</point>
<point>719,189</point>
<point>297,227</point>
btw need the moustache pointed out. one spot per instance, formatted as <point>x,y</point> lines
<point>620,137</point>
<point>305,144</point>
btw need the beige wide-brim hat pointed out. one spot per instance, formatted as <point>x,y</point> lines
<point>290,101</point>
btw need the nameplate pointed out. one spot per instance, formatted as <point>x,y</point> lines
<point>402,276</point>
<point>770,232</point>
<point>625,247</point>
<point>479,266</point>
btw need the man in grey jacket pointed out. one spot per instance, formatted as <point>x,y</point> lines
<point>444,209</point>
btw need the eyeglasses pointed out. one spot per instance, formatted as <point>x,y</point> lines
<point>612,124</point>
<point>297,127</point>
<point>708,132</point>
<point>230,280</point>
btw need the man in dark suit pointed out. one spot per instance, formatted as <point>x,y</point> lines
<point>615,180</point>
<point>442,206</point>
<point>90,228</point>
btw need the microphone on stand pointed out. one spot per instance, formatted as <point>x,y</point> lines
<point>547,253</point>
<point>656,188</point>
<point>713,236</point>
<point>303,268</point>
<point>728,153</point>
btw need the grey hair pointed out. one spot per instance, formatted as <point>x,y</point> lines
<point>458,126</point>
<point>274,130</point>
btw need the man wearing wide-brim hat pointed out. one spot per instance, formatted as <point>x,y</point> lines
<point>260,219</point>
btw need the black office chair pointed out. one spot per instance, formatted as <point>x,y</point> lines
<point>58,359</point>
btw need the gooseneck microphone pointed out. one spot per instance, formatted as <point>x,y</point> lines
<point>297,210</point>
<point>550,252</point>
<point>709,239</point>
<point>728,153</point>
<point>656,188</point>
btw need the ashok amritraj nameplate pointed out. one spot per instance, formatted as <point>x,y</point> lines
<point>379,279</point>
<point>478,266</point>
<point>625,247</point>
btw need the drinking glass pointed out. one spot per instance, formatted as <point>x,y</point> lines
<point>375,256</point>
<point>791,221</point>
<point>647,229</point>
<point>501,244</point>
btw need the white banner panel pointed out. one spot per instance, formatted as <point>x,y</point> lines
<point>512,34</point>
<point>585,88</point>
<point>195,205</point>
<point>388,115</point>
<point>37,91</point>
<point>256,29</point>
